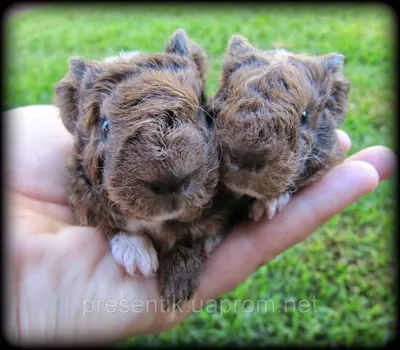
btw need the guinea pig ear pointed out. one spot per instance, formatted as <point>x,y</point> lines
<point>180,44</point>
<point>239,45</point>
<point>338,100</point>
<point>240,53</point>
<point>333,62</point>
<point>77,67</point>
<point>67,92</point>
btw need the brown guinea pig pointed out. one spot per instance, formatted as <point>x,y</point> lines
<point>145,157</point>
<point>276,113</point>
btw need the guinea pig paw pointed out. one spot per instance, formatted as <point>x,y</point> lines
<point>179,277</point>
<point>135,253</point>
<point>174,296</point>
<point>271,207</point>
<point>257,211</point>
<point>277,204</point>
<point>283,200</point>
<point>210,244</point>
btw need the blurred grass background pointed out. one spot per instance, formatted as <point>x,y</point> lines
<point>348,265</point>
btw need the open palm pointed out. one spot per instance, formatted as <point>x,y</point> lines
<point>63,284</point>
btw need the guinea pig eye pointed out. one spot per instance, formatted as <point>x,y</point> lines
<point>105,128</point>
<point>186,184</point>
<point>304,118</point>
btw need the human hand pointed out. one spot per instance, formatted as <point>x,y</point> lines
<point>64,287</point>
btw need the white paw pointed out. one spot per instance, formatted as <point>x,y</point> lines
<point>134,252</point>
<point>269,208</point>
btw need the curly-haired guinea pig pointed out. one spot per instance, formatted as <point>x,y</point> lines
<point>145,161</point>
<point>276,114</point>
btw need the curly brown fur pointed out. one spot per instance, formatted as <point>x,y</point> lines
<point>181,270</point>
<point>182,265</point>
<point>144,153</point>
<point>268,148</point>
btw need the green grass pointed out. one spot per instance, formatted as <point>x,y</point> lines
<point>349,263</point>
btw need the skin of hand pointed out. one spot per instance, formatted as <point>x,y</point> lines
<point>62,285</point>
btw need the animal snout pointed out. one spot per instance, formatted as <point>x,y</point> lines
<point>170,186</point>
<point>247,161</point>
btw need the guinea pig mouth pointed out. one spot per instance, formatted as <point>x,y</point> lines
<point>183,214</point>
<point>241,183</point>
<point>174,215</point>
<point>243,191</point>
<point>258,185</point>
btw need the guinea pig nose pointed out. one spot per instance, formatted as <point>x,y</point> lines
<point>247,161</point>
<point>170,186</point>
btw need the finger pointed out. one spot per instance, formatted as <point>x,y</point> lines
<point>311,208</point>
<point>380,157</point>
<point>37,151</point>
<point>250,246</point>
<point>344,140</point>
